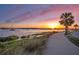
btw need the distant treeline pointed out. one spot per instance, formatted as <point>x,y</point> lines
<point>36,28</point>
<point>40,28</point>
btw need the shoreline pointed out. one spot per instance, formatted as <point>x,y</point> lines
<point>16,47</point>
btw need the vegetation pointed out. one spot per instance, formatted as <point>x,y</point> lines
<point>76,25</point>
<point>25,44</point>
<point>67,20</point>
<point>73,39</point>
<point>23,37</point>
<point>9,38</point>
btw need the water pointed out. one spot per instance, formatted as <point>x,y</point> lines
<point>21,32</point>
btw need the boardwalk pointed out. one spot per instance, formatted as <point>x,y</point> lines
<point>58,44</point>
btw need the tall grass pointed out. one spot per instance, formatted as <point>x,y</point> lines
<point>73,39</point>
<point>33,43</point>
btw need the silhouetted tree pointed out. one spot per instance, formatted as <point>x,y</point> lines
<point>66,20</point>
<point>76,25</point>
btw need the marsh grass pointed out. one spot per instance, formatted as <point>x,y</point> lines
<point>73,39</point>
<point>34,44</point>
<point>9,38</point>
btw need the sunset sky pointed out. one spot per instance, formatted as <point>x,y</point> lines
<point>35,16</point>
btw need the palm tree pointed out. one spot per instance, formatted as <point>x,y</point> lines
<point>76,25</point>
<point>66,20</point>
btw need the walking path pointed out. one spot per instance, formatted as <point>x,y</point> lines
<point>58,44</point>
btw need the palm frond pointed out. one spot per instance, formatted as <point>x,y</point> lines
<point>67,19</point>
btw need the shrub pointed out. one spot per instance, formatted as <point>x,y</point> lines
<point>12,37</point>
<point>23,37</point>
<point>74,40</point>
<point>9,38</point>
<point>3,39</point>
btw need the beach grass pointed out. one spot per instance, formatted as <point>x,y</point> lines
<point>9,38</point>
<point>33,43</point>
<point>73,39</point>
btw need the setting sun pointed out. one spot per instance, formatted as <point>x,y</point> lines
<point>54,25</point>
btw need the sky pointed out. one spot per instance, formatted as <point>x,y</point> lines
<point>35,15</point>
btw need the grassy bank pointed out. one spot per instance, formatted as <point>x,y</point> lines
<point>73,39</point>
<point>30,43</point>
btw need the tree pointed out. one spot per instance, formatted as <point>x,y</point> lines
<point>66,20</point>
<point>76,25</point>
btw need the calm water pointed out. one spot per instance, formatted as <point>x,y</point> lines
<point>21,32</point>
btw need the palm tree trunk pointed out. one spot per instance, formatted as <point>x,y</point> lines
<point>66,30</point>
<point>75,29</point>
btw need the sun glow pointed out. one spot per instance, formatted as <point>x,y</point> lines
<point>54,25</point>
